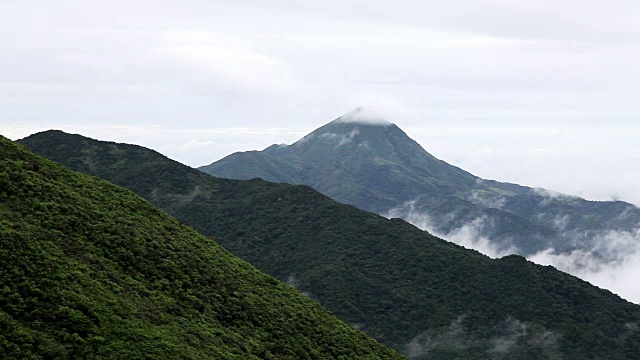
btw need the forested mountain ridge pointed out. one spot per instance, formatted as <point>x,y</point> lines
<point>412,291</point>
<point>378,168</point>
<point>89,270</point>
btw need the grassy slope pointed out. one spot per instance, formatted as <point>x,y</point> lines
<point>401,285</point>
<point>90,270</point>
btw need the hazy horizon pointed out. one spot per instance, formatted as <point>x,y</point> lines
<point>542,94</point>
<point>502,162</point>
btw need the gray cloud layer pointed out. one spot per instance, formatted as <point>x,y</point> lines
<point>542,93</point>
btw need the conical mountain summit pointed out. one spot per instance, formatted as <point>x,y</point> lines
<point>371,163</point>
<point>352,158</point>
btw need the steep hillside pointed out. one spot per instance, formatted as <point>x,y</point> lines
<point>88,270</point>
<point>412,291</point>
<point>377,167</point>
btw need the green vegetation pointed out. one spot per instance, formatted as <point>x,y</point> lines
<point>410,290</point>
<point>89,270</point>
<point>378,167</point>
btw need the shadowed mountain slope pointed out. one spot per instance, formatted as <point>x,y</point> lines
<point>412,291</point>
<point>89,270</point>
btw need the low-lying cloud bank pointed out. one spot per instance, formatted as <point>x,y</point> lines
<point>469,235</point>
<point>611,262</point>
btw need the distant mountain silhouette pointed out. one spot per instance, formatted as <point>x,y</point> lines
<point>375,166</point>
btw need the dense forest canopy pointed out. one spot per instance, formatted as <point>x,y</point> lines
<point>90,270</point>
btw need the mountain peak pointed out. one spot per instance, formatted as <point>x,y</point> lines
<point>364,116</point>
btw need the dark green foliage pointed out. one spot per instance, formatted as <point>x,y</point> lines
<point>406,288</point>
<point>90,270</point>
<point>378,168</point>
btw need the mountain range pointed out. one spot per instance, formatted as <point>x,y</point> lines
<point>374,165</point>
<point>424,296</point>
<point>89,270</point>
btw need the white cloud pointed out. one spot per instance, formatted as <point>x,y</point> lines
<point>375,108</point>
<point>547,193</point>
<point>343,139</point>
<point>468,235</point>
<point>484,199</point>
<point>613,263</point>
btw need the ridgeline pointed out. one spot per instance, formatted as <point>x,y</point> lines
<point>412,291</point>
<point>89,270</point>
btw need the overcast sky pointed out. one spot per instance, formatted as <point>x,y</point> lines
<point>542,93</point>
